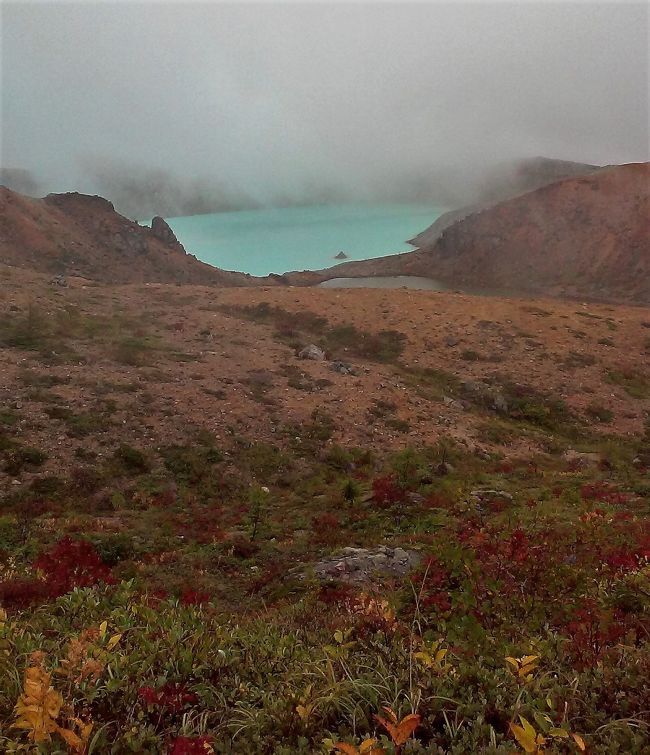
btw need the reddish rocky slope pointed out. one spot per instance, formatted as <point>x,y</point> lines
<point>586,236</point>
<point>79,235</point>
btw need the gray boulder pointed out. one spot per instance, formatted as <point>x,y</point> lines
<point>312,352</point>
<point>343,368</point>
<point>365,565</point>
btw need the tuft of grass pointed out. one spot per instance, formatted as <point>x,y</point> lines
<point>634,382</point>
<point>135,351</point>
<point>132,459</point>
<point>576,359</point>
<point>432,383</point>
<point>18,458</point>
<point>294,328</point>
<point>190,463</point>
<point>599,413</point>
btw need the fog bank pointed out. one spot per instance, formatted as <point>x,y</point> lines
<point>178,108</point>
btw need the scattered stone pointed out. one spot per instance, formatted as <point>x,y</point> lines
<point>499,403</point>
<point>482,453</point>
<point>443,469</point>
<point>361,565</point>
<point>343,368</point>
<point>451,402</point>
<point>470,387</point>
<point>581,459</point>
<point>491,495</point>
<point>451,341</point>
<point>312,352</point>
<point>59,280</point>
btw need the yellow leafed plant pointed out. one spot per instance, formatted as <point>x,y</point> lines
<point>533,742</point>
<point>524,667</point>
<point>434,658</point>
<point>527,737</point>
<point>367,747</point>
<point>40,705</point>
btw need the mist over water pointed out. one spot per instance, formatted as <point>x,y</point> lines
<point>183,108</point>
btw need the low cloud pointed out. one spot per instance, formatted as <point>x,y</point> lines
<point>177,108</point>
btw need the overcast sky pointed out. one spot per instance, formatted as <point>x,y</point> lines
<point>273,100</point>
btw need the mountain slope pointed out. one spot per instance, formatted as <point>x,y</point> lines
<point>505,182</point>
<point>584,236</point>
<point>75,234</point>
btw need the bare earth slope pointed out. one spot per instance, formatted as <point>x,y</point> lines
<point>505,183</point>
<point>585,236</point>
<point>80,235</point>
<point>170,359</point>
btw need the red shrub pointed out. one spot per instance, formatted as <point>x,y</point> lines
<point>438,501</point>
<point>171,697</point>
<point>432,584</point>
<point>622,559</point>
<point>339,595</point>
<point>518,548</point>
<point>191,597</point>
<point>387,492</point>
<point>324,522</point>
<point>72,563</point>
<point>16,594</point>
<point>593,632</point>
<point>326,529</point>
<point>191,746</point>
<point>602,491</point>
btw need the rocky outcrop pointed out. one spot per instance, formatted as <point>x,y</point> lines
<point>363,565</point>
<point>161,230</point>
<point>79,235</point>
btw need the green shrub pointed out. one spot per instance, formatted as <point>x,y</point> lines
<point>599,413</point>
<point>635,383</point>
<point>21,457</point>
<point>132,459</point>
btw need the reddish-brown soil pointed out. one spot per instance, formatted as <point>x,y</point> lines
<point>206,368</point>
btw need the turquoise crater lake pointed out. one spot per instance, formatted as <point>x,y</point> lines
<point>281,240</point>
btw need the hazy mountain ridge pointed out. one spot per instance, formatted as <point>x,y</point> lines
<point>581,236</point>
<point>504,182</point>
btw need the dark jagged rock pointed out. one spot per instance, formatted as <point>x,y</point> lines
<point>161,230</point>
<point>341,256</point>
<point>73,200</point>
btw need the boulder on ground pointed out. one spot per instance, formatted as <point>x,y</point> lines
<point>361,565</point>
<point>312,352</point>
<point>343,368</point>
<point>581,459</point>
